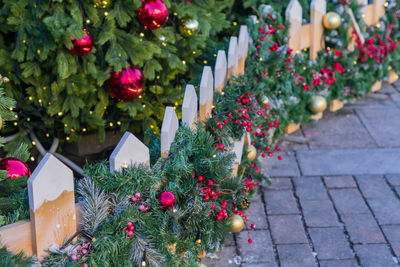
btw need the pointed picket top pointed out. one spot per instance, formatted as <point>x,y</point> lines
<point>130,151</point>
<point>189,107</point>
<point>206,93</point>
<point>168,130</point>
<point>52,204</point>
<point>220,71</point>
<point>253,19</point>
<point>294,11</point>
<point>243,47</point>
<point>319,5</point>
<point>233,57</point>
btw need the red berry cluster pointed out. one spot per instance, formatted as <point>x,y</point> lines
<point>376,48</point>
<point>250,184</point>
<point>207,189</point>
<point>143,205</point>
<point>81,251</point>
<point>129,229</point>
<point>325,77</point>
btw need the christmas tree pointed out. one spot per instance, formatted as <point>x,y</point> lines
<point>62,56</point>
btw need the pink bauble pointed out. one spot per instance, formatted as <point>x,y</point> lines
<point>16,168</point>
<point>153,14</point>
<point>167,199</point>
<point>82,46</point>
<point>126,85</point>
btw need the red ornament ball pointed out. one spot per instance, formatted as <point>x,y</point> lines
<point>167,199</point>
<point>153,14</point>
<point>126,85</point>
<point>16,168</point>
<point>82,46</point>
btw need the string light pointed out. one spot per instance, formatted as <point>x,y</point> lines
<point>234,23</point>
<point>141,34</point>
<point>30,98</point>
<point>304,68</point>
<point>67,138</point>
<point>118,123</point>
<point>144,105</point>
<point>354,62</point>
<point>15,123</point>
<point>34,143</point>
<point>91,112</point>
<point>111,124</point>
<point>47,135</point>
<point>184,62</point>
<point>386,4</point>
<point>106,13</point>
<point>38,51</point>
<point>32,158</point>
<point>65,125</point>
<point>124,165</point>
<point>84,130</point>
<point>205,61</point>
<point>60,113</point>
<point>88,21</point>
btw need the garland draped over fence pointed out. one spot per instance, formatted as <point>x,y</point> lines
<point>173,212</point>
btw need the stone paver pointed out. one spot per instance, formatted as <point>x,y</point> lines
<point>346,181</point>
<point>349,161</point>
<point>225,258</point>
<point>373,186</point>
<point>386,210</point>
<point>279,184</point>
<point>281,168</point>
<point>341,129</point>
<point>348,201</point>
<point>297,255</point>
<point>338,263</point>
<point>287,229</point>
<point>280,202</point>
<point>374,255</point>
<point>260,251</point>
<point>392,233</point>
<point>310,188</point>
<point>363,228</point>
<point>393,179</point>
<point>383,124</point>
<point>257,214</point>
<point>330,243</point>
<point>319,213</point>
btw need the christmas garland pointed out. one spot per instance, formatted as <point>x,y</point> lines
<point>186,204</point>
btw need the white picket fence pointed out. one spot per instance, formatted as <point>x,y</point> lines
<point>53,212</point>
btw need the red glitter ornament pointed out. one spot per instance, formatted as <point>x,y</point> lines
<point>16,168</point>
<point>82,46</point>
<point>167,199</point>
<point>127,84</point>
<point>153,14</point>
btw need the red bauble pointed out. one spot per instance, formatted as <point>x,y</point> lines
<point>82,46</point>
<point>126,85</point>
<point>16,168</point>
<point>153,14</point>
<point>167,199</point>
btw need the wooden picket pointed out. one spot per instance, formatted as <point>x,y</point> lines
<point>233,57</point>
<point>220,71</point>
<point>308,35</point>
<point>168,130</point>
<point>189,107</point>
<point>372,13</point>
<point>206,94</point>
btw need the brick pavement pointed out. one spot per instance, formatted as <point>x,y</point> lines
<point>334,201</point>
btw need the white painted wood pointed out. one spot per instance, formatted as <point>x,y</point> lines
<point>130,151</point>
<point>294,13</point>
<point>206,93</point>
<point>233,57</point>
<point>168,130</point>
<point>243,46</point>
<point>253,19</point>
<point>318,10</point>
<point>266,9</point>
<point>238,149</point>
<point>189,106</point>
<point>355,24</point>
<point>363,2</point>
<point>52,204</point>
<point>220,71</point>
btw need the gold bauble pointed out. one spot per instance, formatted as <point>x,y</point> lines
<point>251,153</point>
<point>265,100</point>
<point>318,104</point>
<point>237,223</point>
<point>102,3</point>
<point>189,27</point>
<point>331,21</point>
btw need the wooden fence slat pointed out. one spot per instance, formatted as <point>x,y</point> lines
<point>52,204</point>
<point>17,237</point>
<point>238,150</point>
<point>168,130</point>
<point>220,71</point>
<point>129,151</point>
<point>206,94</point>
<point>294,14</point>
<point>189,107</point>
<point>233,57</point>
<point>243,47</point>
<point>318,10</point>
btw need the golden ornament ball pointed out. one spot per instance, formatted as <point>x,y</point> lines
<point>318,104</point>
<point>237,223</point>
<point>102,3</point>
<point>251,152</point>
<point>189,27</point>
<point>265,100</point>
<point>331,21</point>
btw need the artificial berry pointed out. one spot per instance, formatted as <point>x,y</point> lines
<point>250,240</point>
<point>200,178</point>
<point>253,226</point>
<point>280,157</point>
